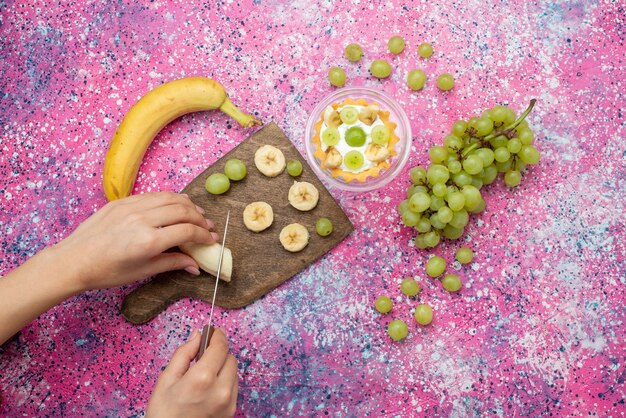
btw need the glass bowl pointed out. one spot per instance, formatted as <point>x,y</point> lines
<point>396,115</point>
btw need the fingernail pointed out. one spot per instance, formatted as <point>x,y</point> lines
<point>184,194</point>
<point>215,236</point>
<point>210,223</point>
<point>192,270</point>
<point>200,210</point>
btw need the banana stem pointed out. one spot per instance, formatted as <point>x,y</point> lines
<point>233,111</point>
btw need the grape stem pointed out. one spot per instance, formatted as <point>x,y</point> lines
<point>504,131</point>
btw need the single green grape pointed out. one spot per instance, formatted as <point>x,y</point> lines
<point>529,154</point>
<point>472,196</point>
<point>353,52</point>
<point>526,137</point>
<point>323,227</point>
<point>397,330</point>
<point>294,168</point>
<point>478,208</point>
<point>409,286</point>
<point>353,160</point>
<point>423,314</point>
<point>435,266</point>
<point>380,135</point>
<point>462,178</point>
<point>380,69</point>
<point>483,126</point>
<point>349,115</point>
<point>453,143</point>
<point>355,136</point>
<point>472,164</point>
<point>396,44</point>
<point>419,202</point>
<point>235,169</point>
<point>436,202</point>
<point>445,214</point>
<point>459,219</point>
<point>440,190</point>
<point>514,146</point>
<point>486,155</point>
<point>410,218</point>
<point>502,154</point>
<point>435,221</point>
<point>383,304</point>
<point>459,127</point>
<point>423,225</point>
<point>445,82</point>
<point>498,141</point>
<point>512,178</point>
<point>336,76</point>
<point>465,255</point>
<point>331,136</point>
<point>431,239</point>
<point>217,183</point>
<point>416,79</point>
<point>505,166</point>
<point>498,114</point>
<point>452,232</point>
<point>510,116</point>
<point>425,50</point>
<point>490,173</point>
<point>437,173</point>
<point>456,201</point>
<point>403,206</point>
<point>455,166</point>
<point>451,282</point>
<point>419,242</point>
<point>437,154</point>
<point>418,175</point>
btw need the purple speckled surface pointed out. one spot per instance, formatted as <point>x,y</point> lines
<point>537,330</point>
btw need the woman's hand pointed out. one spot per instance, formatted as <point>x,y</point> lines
<point>126,239</point>
<point>206,389</point>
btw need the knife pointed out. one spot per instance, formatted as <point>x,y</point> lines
<point>207,330</point>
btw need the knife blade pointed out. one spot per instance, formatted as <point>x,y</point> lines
<point>207,330</point>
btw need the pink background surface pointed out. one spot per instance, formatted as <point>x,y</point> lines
<point>538,329</point>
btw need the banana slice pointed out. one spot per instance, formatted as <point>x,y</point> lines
<point>376,153</point>
<point>368,114</point>
<point>331,117</point>
<point>294,237</point>
<point>333,158</point>
<point>303,196</point>
<point>258,216</point>
<point>269,160</point>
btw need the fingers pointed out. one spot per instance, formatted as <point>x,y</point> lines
<point>172,261</point>
<point>213,359</point>
<point>175,214</point>
<point>182,357</point>
<point>174,235</point>
<point>147,201</point>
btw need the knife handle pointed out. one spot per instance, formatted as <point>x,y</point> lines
<point>205,339</point>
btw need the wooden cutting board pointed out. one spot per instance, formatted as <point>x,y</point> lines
<point>260,263</point>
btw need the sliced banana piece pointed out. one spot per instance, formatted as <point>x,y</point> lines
<point>331,117</point>
<point>368,114</point>
<point>294,237</point>
<point>303,196</point>
<point>258,216</point>
<point>333,158</point>
<point>269,160</point>
<point>376,153</point>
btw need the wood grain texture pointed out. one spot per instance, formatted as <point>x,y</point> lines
<point>260,263</point>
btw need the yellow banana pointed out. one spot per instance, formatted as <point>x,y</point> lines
<point>152,113</point>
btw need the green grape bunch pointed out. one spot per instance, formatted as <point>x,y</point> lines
<point>443,195</point>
